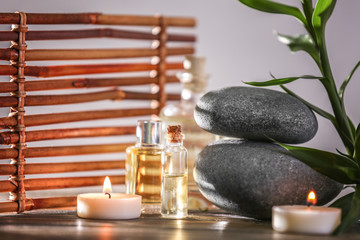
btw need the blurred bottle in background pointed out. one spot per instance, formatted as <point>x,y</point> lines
<point>194,81</point>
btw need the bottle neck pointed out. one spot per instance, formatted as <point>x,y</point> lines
<point>175,144</point>
<point>141,144</point>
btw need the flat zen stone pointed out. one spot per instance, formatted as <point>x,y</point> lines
<point>249,178</point>
<point>255,114</point>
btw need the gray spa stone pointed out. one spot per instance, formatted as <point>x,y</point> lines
<point>254,113</point>
<point>248,178</point>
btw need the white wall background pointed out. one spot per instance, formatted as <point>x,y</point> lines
<point>239,45</point>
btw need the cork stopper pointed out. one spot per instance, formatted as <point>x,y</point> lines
<point>175,133</point>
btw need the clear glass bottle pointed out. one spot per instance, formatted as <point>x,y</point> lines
<point>143,165</point>
<point>194,81</point>
<point>174,176</point>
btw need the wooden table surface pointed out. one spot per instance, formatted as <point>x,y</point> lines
<point>64,224</point>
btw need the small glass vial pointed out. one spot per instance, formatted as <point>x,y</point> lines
<point>174,176</point>
<point>143,165</point>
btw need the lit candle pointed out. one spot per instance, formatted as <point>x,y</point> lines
<point>108,205</point>
<point>306,219</point>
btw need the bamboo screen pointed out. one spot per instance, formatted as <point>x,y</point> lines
<point>26,136</point>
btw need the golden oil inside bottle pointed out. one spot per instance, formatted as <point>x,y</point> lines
<point>143,173</point>
<point>175,196</point>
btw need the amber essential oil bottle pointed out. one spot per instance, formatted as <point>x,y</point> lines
<point>174,176</point>
<point>143,165</point>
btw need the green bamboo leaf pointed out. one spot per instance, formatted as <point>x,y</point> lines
<point>346,82</point>
<point>333,165</point>
<point>308,10</point>
<point>273,82</point>
<point>344,154</point>
<point>274,7</point>
<point>321,15</point>
<point>352,126</point>
<point>300,43</point>
<point>280,81</point>
<point>352,215</point>
<point>316,109</point>
<point>357,145</point>
<point>344,203</point>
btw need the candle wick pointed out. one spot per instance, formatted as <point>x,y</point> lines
<point>108,194</point>
<point>309,204</point>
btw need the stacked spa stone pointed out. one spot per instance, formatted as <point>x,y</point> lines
<point>250,174</point>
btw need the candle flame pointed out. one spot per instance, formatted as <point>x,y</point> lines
<point>311,199</point>
<point>107,185</point>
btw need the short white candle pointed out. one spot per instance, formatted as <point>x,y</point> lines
<point>100,206</point>
<point>307,220</point>
<point>108,205</point>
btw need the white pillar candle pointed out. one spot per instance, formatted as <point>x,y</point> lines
<point>307,220</point>
<point>100,206</point>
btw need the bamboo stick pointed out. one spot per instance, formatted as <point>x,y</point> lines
<point>57,183</point>
<point>9,54</point>
<point>9,207</point>
<point>55,202</point>
<point>40,203</point>
<point>7,186</point>
<point>94,18</point>
<point>51,84</point>
<point>81,54</point>
<point>44,119</point>
<point>63,70</point>
<point>64,150</point>
<point>140,96</point>
<point>173,97</point>
<point>93,33</point>
<point>42,100</point>
<point>41,135</point>
<point>48,168</point>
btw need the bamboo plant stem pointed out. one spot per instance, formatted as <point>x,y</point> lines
<point>81,54</point>
<point>64,150</point>
<point>94,18</point>
<point>58,183</point>
<point>93,33</point>
<point>48,168</point>
<point>44,119</point>
<point>339,111</point>
<point>41,135</point>
<point>50,84</point>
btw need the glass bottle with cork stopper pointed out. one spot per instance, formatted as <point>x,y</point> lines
<point>174,175</point>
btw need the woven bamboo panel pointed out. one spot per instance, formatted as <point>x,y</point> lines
<point>125,74</point>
